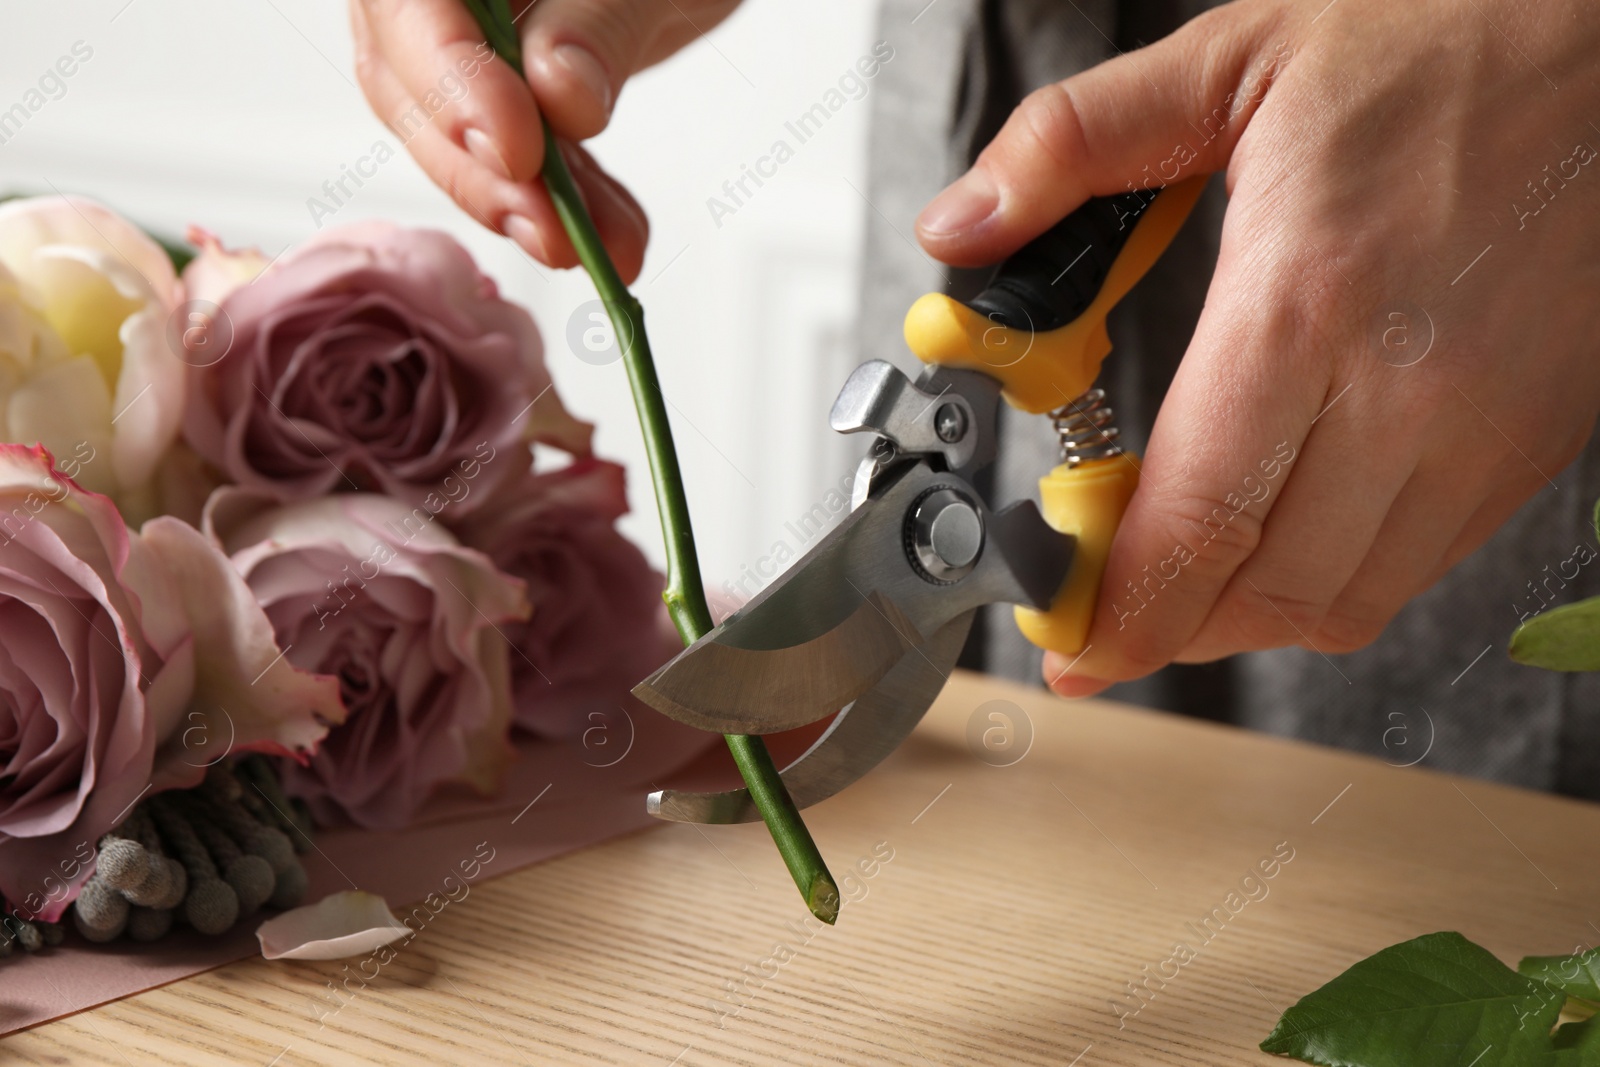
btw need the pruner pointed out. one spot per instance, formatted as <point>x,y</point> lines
<point>870,621</point>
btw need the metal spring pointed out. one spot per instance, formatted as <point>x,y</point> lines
<point>1086,430</point>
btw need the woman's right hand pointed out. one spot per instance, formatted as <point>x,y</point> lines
<point>473,125</point>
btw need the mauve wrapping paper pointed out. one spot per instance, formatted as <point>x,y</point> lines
<point>573,801</point>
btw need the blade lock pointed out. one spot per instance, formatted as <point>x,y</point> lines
<point>948,413</point>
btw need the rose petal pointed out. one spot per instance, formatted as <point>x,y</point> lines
<point>86,296</point>
<point>27,341</point>
<point>244,688</point>
<point>66,407</point>
<point>66,549</point>
<point>595,626</point>
<point>218,271</point>
<point>338,926</point>
<point>380,594</point>
<point>550,423</point>
<point>30,224</point>
<point>149,398</point>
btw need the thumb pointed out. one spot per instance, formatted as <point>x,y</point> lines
<point>578,53</point>
<point>1142,120</point>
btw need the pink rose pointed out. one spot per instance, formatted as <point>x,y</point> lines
<point>128,662</point>
<point>373,591</point>
<point>598,625</point>
<point>370,358</point>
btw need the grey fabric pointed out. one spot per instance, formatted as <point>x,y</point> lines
<point>1421,692</point>
<point>913,155</point>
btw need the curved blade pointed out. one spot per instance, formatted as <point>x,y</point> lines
<point>847,611</point>
<point>726,689</point>
<point>858,740</point>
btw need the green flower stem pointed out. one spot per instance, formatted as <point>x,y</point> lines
<point>685,593</point>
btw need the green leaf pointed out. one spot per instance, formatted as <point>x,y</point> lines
<point>1561,639</point>
<point>1597,520</point>
<point>1577,1045</point>
<point>1434,1001</point>
<point>181,254</point>
<point>1576,975</point>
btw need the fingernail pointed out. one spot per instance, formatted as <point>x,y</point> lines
<point>619,202</point>
<point>522,230</point>
<point>962,206</point>
<point>587,69</point>
<point>609,193</point>
<point>484,151</point>
<point>1074,686</point>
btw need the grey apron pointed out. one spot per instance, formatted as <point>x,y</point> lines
<point>1437,687</point>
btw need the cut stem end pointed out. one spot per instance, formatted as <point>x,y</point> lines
<point>823,898</point>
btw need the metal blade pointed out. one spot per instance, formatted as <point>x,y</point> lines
<point>734,690</point>
<point>858,740</point>
<point>847,611</point>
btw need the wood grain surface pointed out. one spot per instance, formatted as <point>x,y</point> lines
<point>995,914</point>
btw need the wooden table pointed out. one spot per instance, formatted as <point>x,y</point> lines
<point>1018,904</point>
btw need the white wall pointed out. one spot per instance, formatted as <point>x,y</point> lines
<point>233,115</point>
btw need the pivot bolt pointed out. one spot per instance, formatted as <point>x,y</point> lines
<point>945,531</point>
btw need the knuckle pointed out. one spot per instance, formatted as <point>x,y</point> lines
<point>465,202</point>
<point>377,10</point>
<point>1347,629</point>
<point>1210,540</point>
<point>367,63</point>
<point>1561,453</point>
<point>1138,662</point>
<point>1219,536</point>
<point>1257,619</point>
<point>615,33</point>
<point>1048,120</point>
<point>1123,655</point>
<point>1314,308</point>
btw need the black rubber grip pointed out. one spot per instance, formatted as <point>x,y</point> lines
<point>1052,279</point>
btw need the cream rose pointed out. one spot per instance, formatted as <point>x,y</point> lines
<point>85,367</point>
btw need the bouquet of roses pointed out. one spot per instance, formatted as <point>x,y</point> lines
<point>285,513</point>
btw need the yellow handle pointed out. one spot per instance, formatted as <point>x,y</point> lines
<point>1040,371</point>
<point>1086,501</point>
